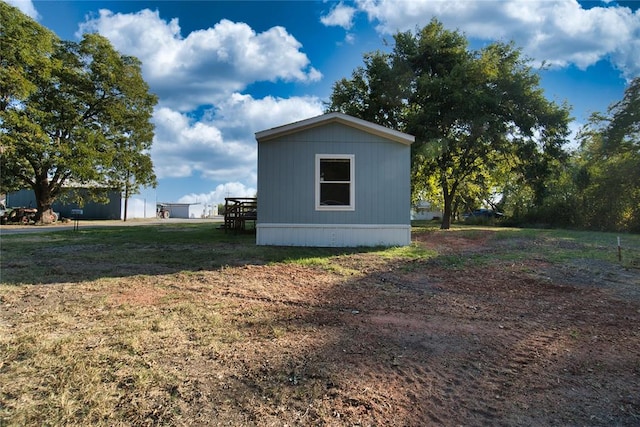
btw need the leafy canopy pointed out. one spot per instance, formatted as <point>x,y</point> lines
<point>476,115</point>
<point>73,113</point>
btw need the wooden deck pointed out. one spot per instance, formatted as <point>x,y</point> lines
<point>238,211</point>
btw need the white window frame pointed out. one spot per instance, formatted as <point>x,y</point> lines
<point>318,182</point>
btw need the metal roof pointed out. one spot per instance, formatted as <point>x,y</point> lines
<point>335,117</point>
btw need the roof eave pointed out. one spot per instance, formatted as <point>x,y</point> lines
<point>354,122</point>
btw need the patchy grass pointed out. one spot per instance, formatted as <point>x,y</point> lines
<point>124,251</point>
<point>514,244</point>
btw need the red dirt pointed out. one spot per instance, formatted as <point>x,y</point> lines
<point>405,343</point>
<point>421,343</point>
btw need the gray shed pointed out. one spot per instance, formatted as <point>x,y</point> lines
<point>334,180</point>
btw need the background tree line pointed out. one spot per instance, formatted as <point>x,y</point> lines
<point>71,114</point>
<point>78,114</point>
<point>600,187</point>
<point>486,135</point>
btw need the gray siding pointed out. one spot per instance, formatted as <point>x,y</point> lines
<point>286,181</point>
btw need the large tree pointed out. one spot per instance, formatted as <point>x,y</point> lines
<point>472,112</point>
<point>85,121</point>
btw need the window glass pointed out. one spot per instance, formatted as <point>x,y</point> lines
<point>335,170</point>
<point>334,182</point>
<point>334,194</point>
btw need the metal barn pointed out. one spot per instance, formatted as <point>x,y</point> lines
<point>91,210</point>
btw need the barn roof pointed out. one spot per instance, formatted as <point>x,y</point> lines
<point>335,117</point>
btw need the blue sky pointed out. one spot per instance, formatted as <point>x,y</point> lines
<point>225,70</point>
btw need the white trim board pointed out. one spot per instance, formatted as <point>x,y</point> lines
<point>336,117</point>
<point>352,182</point>
<point>333,235</point>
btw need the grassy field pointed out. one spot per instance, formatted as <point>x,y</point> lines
<point>93,253</point>
<point>168,324</point>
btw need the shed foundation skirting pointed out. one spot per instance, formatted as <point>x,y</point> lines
<point>333,235</point>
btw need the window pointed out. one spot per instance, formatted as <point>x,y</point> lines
<point>334,182</point>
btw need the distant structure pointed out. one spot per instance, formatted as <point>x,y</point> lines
<point>181,210</point>
<point>112,209</point>
<point>424,211</point>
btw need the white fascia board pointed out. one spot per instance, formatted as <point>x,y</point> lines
<point>354,122</point>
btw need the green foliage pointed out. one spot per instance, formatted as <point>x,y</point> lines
<point>622,134</point>
<point>599,189</point>
<point>26,51</point>
<point>374,92</point>
<point>608,166</point>
<point>84,120</point>
<point>613,197</point>
<point>478,116</point>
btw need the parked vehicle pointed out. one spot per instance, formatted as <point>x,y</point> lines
<point>23,215</point>
<point>162,212</point>
<point>19,216</point>
<point>479,215</point>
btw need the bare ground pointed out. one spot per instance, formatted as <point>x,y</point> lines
<point>374,342</point>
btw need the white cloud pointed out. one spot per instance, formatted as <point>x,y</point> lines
<point>209,68</point>
<point>216,196</point>
<point>339,16</point>
<point>241,115</point>
<point>560,32</point>
<point>204,66</point>
<point>26,7</point>
<point>183,147</point>
<point>221,145</point>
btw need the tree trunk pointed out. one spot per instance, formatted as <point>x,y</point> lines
<point>44,200</point>
<point>448,196</point>
<point>448,211</point>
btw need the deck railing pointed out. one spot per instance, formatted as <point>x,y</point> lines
<point>239,210</point>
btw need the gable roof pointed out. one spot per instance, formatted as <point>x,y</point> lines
<point>335,117</point>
